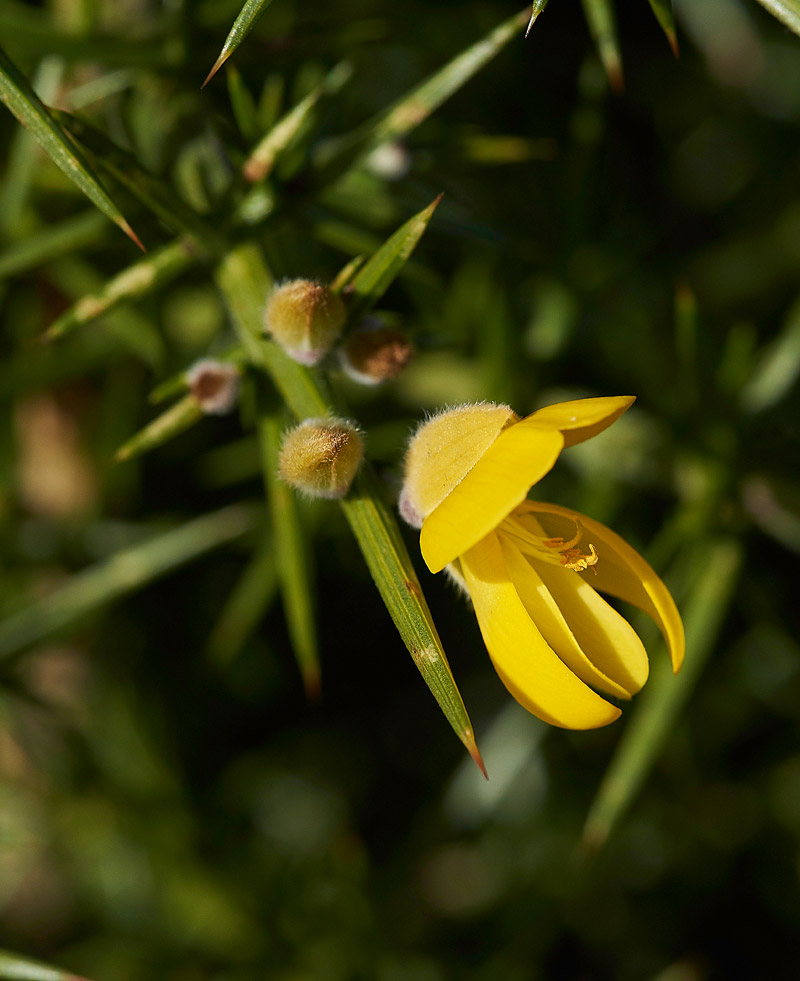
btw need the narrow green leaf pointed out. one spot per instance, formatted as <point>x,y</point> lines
<point>665,17</point>
<point>664,696</point>
<point>14,967</point>
<point>263,158</point>
<point>786,11</point>
<point>243,105</point>
<point>345,275</point>
<point>21,165</point>
<point>61,238</point>
<point>416,106</point>
<point>22,101</point>
<point>154,270</point>
<point>247,603</point>
<point>167,426</point>
<point>381,269</point>
<point>536,8</point>
<point>124,572</point>
<point>291,556</point>
<point>244,282</point>
<point>777,369</point>
<point>600,17</point>
<point>152,192</point>
<point>242,26</point>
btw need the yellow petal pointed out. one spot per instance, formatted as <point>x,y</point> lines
<point>544,610</point>
<point>581,419</point>
<point>610,642</point>
<point>623,573</point>
<point>526,664</point>
<point>446,447</point>
<point>520,456</point>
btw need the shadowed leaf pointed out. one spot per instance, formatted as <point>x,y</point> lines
<point>247,603</point>
<point>291,555</point>
<point>124,572</point>
<point>60,238</point>
<point>22,101</point>
<point>417,105</point>
<point>151,191</point>
<point>665,695</point>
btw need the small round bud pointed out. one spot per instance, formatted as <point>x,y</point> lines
<point>321,457</point>
<point>305,318</point>
<point>215,385</point>
<point>374,353</point>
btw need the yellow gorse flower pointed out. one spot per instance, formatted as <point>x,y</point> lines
<point>535,571</point>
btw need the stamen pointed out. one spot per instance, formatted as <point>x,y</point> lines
<point>523,527</point>
<point>573,558</point>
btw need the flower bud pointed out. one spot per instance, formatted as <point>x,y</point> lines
<point>215,385</point>
<point>374,353</point>
<point>305,318</point>
<point>321,457</point>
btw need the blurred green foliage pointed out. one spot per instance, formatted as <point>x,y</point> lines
<point>170,805</point>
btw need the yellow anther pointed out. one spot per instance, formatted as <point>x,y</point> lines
<point>573,558</point>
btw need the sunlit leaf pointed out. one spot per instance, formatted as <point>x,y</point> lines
<point>22,101</point>
<point>156,269</point>
<point>787,12</point>
<point>165,427</point>
<point>665,17</point>
<point>600,17</point>
<point>242,26</point>
<point>536,8</point>
<point>263,158</point>
<point>14,967</point>
<point>381,269</point>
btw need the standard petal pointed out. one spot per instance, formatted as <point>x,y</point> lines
<point>549,619</point>
<point>519,457</point>
<point>581,419</point>
<point>526,664</point>
<point>623,573</point>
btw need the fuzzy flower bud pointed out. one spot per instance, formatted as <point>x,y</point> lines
<point>305,318</point>
<point>321,457</point>
<point>374,353</point>
<point>215,385</point>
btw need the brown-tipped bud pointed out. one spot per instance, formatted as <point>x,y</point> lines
<point>215,385</point>
<point>321,457</point>
<point>374,353</point>
<point>305,318</point>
